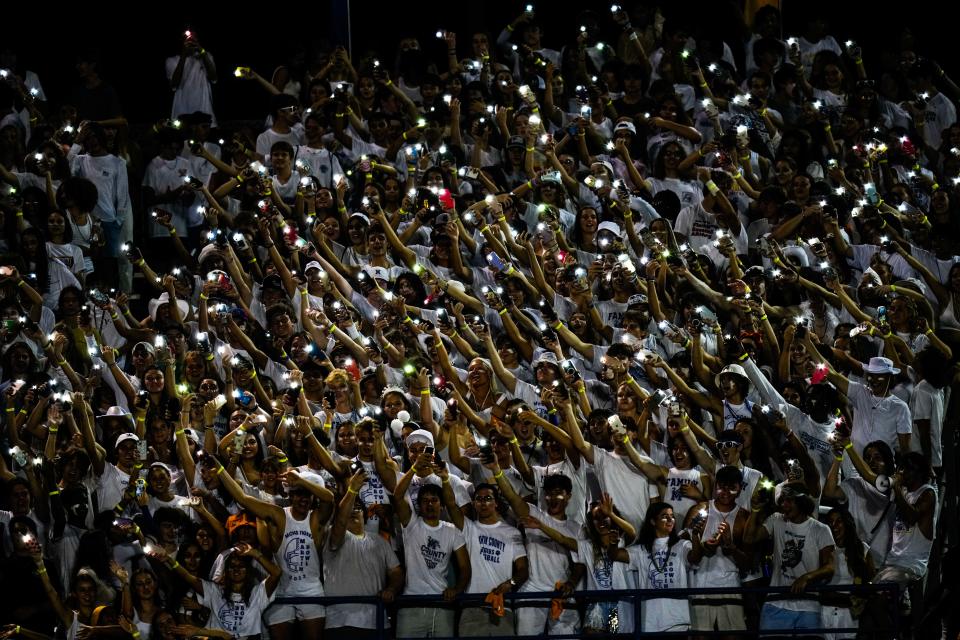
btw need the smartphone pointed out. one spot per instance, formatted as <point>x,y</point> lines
<point>330,397</point>
<point>356,467</point>
<point>142,449</point>
<point>141,487</point>
<point>98,297</point>
<point>238,437</point>
<point>428,450</point>
<point>674,409</point>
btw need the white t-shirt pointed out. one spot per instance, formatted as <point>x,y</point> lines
<point>603,574</point>
<point>492,549</point>
<point>427,552</point>
<point>195,92</point>
<point>630,490</point>
<point>234,615</point>
<point>357,568</point>
<point>109,174</point>
<point>877,418</point>
<point>267,139</point>
<point>926,403</point>
<point>70,255</point>
<point>110,486</point>
<point>662,569</point>
<point>910,548</point>
<point>549,562</point>
<point>796,551</point>
<point>163,176</point>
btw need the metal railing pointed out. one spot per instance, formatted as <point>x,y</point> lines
<point>634,596</point>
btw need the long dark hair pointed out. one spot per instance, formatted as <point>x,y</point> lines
<point>852,545</point>
<point>648,532</point>
<point>248,583</point>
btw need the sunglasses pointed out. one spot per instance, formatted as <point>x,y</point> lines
<point>728,444</point>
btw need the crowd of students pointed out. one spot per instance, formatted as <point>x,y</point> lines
<point>654,310</point>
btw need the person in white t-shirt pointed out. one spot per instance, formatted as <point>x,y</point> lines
<point>802,555</point>
<point>549,561</point>
<point>238,602</point>
<point>429,545</point>
<point>662,561</point>
<point>498,561</point>
<point>191,75</point>
<point>357,563</point>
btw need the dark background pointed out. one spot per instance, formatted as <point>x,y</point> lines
<point>135,39</point>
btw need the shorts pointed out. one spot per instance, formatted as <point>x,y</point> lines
<point>773,617</point>
<point>531,621</point>
<point>726,616</point>
<point>282,613</point>
<point>425,622</point>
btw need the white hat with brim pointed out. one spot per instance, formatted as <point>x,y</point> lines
<point>165,299</point>
<point>879,366</point>
<point>733,369</point>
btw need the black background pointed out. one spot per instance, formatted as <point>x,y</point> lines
<point>134,40</point>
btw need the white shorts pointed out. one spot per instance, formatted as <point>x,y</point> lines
<point>282,613</point>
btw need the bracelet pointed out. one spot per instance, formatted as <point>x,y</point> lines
<point>11,409</point>
<point>928,332</point>
<point>19,214</point>
<point>529,184</point>
<point>283,460</point>
<point>407,320</point>
<point>135,634</point>
<point>828,128</point>
<point>558,326</point>
<point>413,468</point>
<point>327,426</point>
<point>626,439</point>
<point>582,389</point>
<point>61,362</point>
<point>22,283</point>
<point>737,175</point>
<point>484,228</point>
<point>712,187</point>
<point>893,288</point>
<point>498,475</point>
<point>219,470</point>
<point>763,317</point>
<point>425,392</point>
<point>703,85</point>
<point>349,490</point>
<point>204,296</point>
<point>179,432</point>
<point>510,28</point>
<point>849,445</point>
<point>688,343</point>
<point>684,429</point>
<point>756,510</point>
<point>141,419</point>
<point>252,260</point>
<point>529,149</point>
<point>174,566</point>
<point>445,480</point>
<point>503,311</point>
<point>114,316</point>
<point>140,262</point>
<point>552,411</point>
<point>23,412</point>
<point>55,492</point>
<point>404,136</point>
<point>514,440</point>
<point>859,62</point>
<point>838,458</point>
<point>41,571</point>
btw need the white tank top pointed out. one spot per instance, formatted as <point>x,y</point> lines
<point>910,548</point>
<point>298,558</point>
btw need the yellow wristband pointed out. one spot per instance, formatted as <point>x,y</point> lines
<point>219,470</point>
<point>626,439</point>
<point>849,445</point>
<point>558,325</point>
<point>204,296</point>
<point>498,475</point>
<point>349,490</point>
<point>893,288</point>
<point>514,440</point>
<point>503,311</point>
<point>425,392</point>
<point>22,283</point>
<point>283,460</point>
<point>174,566</point>
<point>55,492</point>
